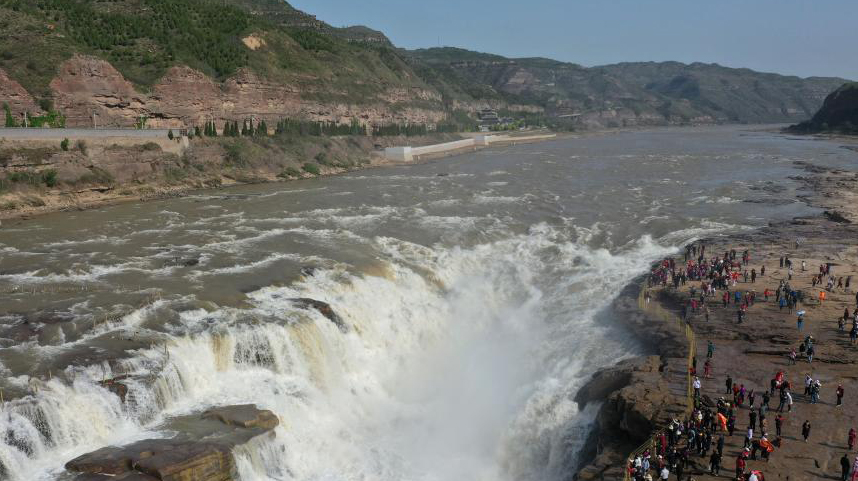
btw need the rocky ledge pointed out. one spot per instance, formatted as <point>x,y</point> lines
<point>201,451</point>
<point>638,394</point>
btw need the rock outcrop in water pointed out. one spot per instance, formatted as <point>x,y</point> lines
<point>324,308</point>
<point>202,451</point>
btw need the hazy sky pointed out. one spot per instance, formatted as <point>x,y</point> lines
<point>798,37</point>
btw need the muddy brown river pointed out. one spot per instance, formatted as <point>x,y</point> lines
<point>472,295</point>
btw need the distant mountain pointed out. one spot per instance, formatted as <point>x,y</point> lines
<point>627,93</point>
<point>839,113</point>
<point>184,62</point>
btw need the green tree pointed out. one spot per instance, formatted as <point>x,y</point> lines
<point>170,134</point>
<point>65,145</point>
<point>10,119</point>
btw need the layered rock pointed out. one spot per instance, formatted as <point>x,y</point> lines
<point>202,451</point>
<point>12,93</point>
<point>87,86</point>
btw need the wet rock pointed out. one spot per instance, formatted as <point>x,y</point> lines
<point>245,416</point>
<point>165,460</point>
<point>308,271</point>
<point>605,382</point>
<point>324,308</point>
<point>116,386</point>
<point>201,451</point>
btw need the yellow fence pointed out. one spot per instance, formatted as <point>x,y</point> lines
<point>654,309</point>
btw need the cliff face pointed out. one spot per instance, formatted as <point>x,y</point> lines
<point>186,97</point>
<point>184,62</point>
<point>839,113</point>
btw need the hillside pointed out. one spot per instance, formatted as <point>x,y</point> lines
<point>838,114</point>
<point>181,63</point>
<point>627,93</point>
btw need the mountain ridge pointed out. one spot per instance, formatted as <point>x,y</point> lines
<point>133,59</point>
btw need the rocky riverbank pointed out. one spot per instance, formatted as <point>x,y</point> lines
<point>38,177</point>
<point>643,394</point>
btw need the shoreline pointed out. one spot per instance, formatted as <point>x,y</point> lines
<point>95,198</point>
<point>648,391</point>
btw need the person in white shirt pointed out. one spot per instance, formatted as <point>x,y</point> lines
<point>753,477</point>
<point>697,386</point>
<point>665,473</point>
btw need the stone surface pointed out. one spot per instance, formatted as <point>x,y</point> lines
<point>245,416</point>
<point>201,451</point>
<point>324,308</point>
<point>185,97</point>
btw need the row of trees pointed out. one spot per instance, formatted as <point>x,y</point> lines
<point>318,129</point>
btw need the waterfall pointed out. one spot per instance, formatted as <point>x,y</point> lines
<point>459,363</point>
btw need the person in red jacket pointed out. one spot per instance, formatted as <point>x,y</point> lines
<point>852,436</point>
<point>740,464</point>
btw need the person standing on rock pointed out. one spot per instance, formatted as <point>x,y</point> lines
<point>752,419</point>
<point>844,467</point>
<point>729,384</point>
<point>782,262</point>
<point>664,474</point>
<point>697,386</point>
<point>805,430</point>
<point>779,423</point>
<point>715,463</point>
<point>710,349</point>
<point>839,394</point>
<point>851,438</point>
<point>740,464</point>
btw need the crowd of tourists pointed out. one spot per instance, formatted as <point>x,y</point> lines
<point>715,281</point>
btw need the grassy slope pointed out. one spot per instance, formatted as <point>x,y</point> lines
<point>143,38</point>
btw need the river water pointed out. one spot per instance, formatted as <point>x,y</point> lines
<point>472,292</point>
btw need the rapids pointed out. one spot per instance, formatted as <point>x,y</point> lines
<point>475,293</point>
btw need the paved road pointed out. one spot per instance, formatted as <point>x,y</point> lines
<point>20,133</point>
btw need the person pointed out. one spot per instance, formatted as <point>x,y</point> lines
<point>729,383</point>
<point>851,438</point>
<point>749,436</point>
<point>855,469</point>
<point>710,349</point>
<point>805,430</point>
<point>800,322</point>
<point>740,464</point>
<point>839,395</point>
<point>792,356</point>
<point>779,422</point>
<point>752,419</point>
<point>715,463</point>
<point>664,473</point>
<point>810,352</point>
<point>844,467</point>
<point>696,387</point>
